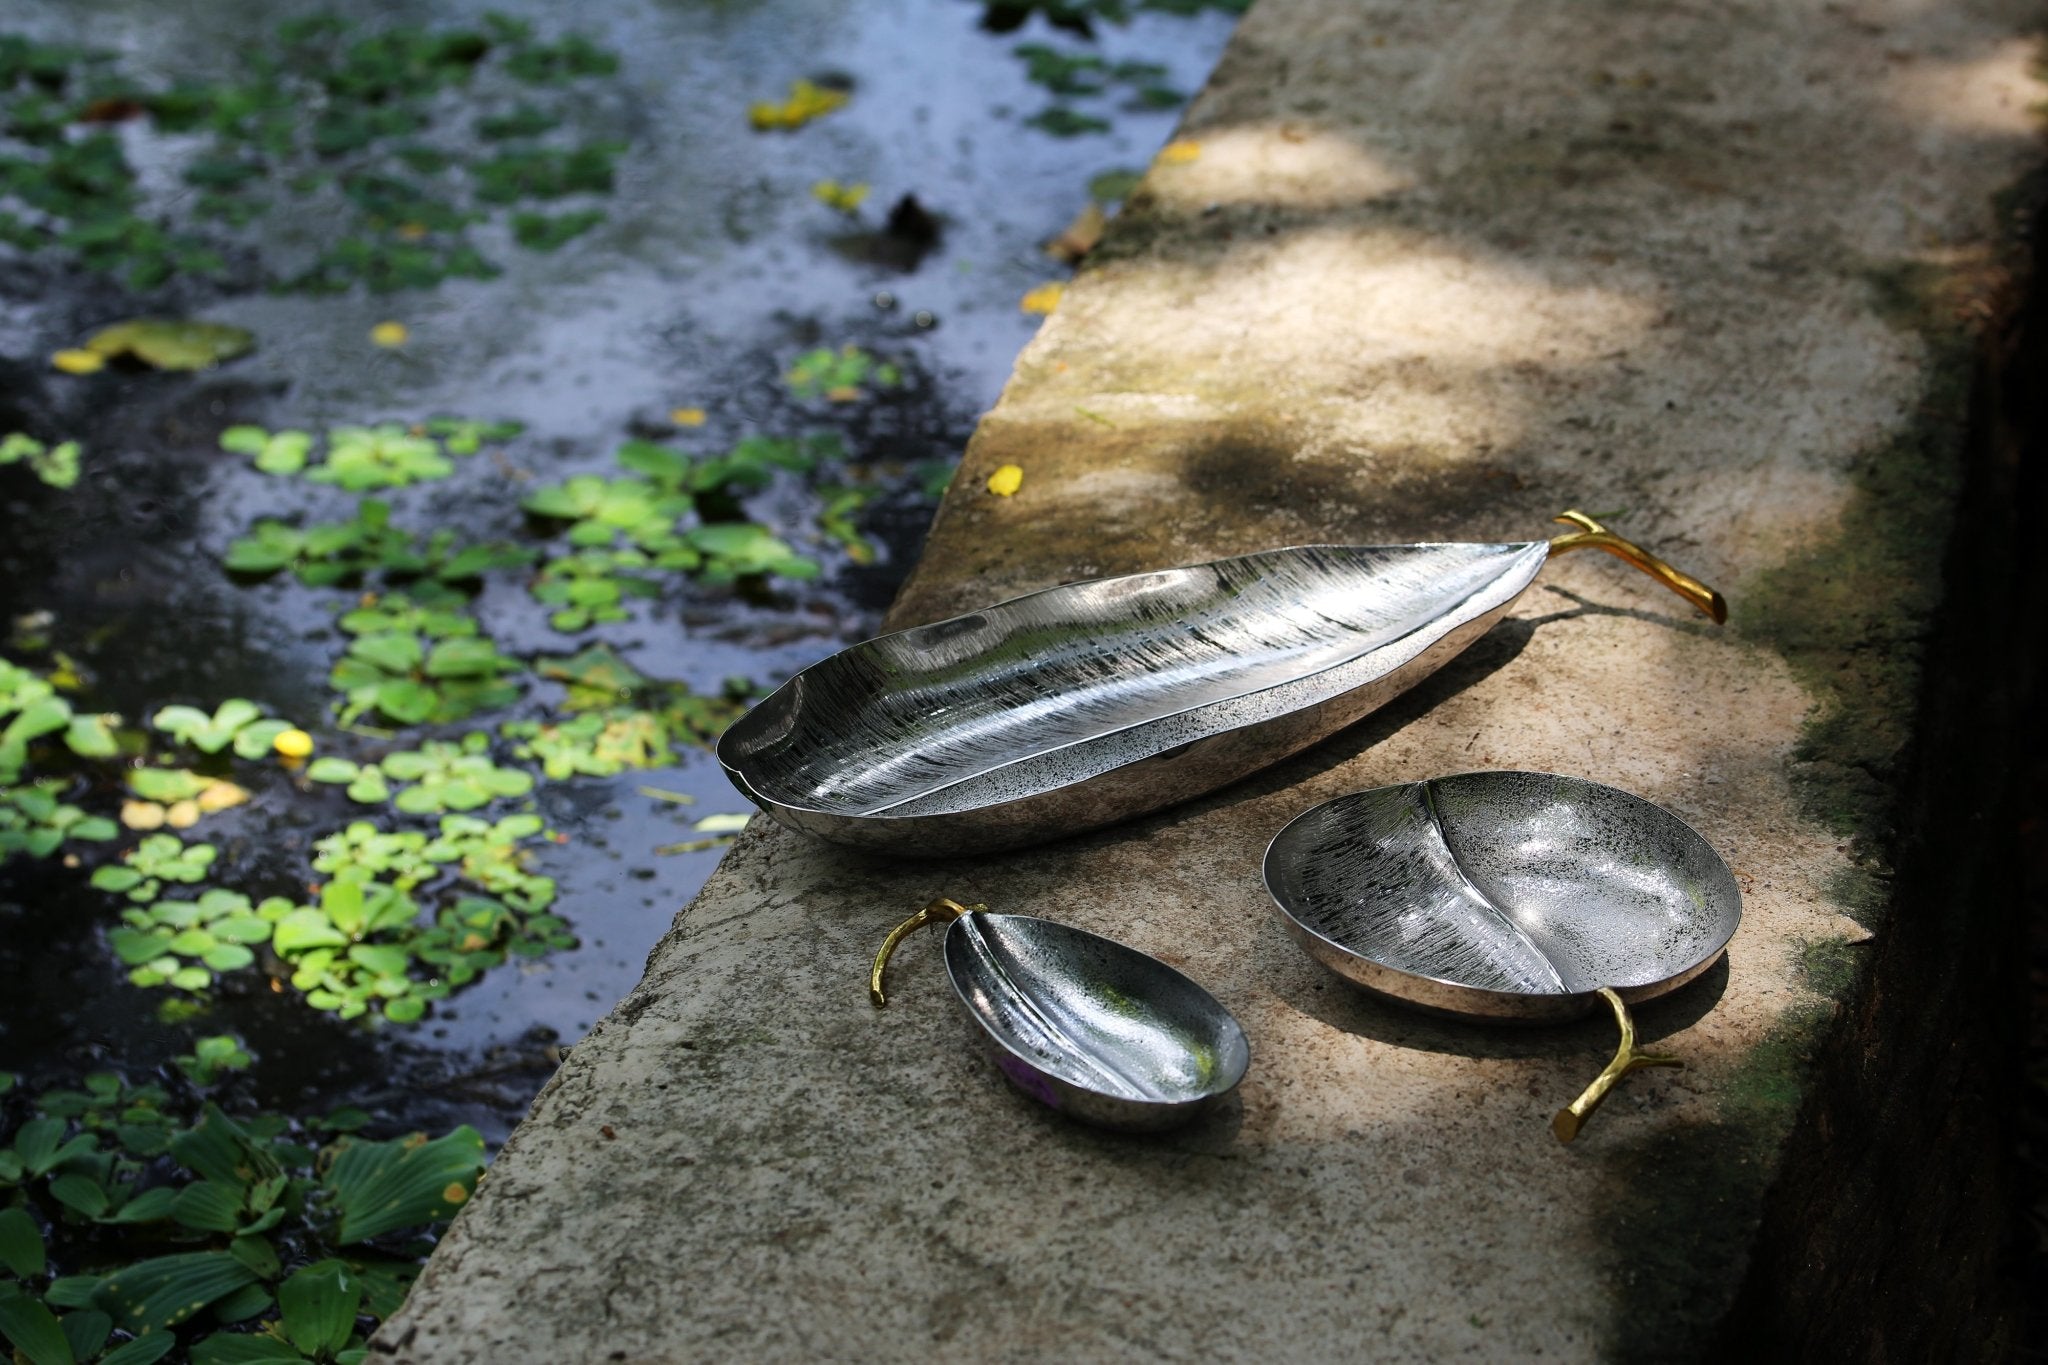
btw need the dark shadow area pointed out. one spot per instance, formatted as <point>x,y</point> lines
<point>1895,1229</point>
<point>1352,1009</point>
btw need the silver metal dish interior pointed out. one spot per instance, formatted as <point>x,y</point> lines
<point>1503,894</point>
<point>1125,1040</point>
<point>1054,689</point>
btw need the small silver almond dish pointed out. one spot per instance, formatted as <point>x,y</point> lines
<point>1097,1030</point>
<point>1507,896</point>
<point>1086,704</point>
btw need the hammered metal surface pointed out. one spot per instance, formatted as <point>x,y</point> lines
<point>1024,720</point>
<point>1097,1030</point>
<point>1504,894</point>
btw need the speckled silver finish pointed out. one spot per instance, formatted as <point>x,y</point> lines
<point>1101,1032</point>
<point>1503,894</point>
<point>1089,703</point>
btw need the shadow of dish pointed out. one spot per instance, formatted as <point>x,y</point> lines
<point>1327,998</point>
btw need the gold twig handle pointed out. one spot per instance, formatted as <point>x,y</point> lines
<point>1568,1120</point>
<point>1592,535</point>
<point>940,911</point>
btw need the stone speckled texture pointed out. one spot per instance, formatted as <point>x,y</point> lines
<point>1438,272</point>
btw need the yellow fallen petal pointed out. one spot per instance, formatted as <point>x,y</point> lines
<point>844,393</point>
<point>1006,480</point>
<point>142,815</point>
<point>411,232</point>
<point>389,334</point>
<point>78,362</point>
<point>1180,151</point>
<point>687,417</point>
<point>454,1194</point>
<point>1043,299</point>
<point>293,743</point>
<point>846,198</point>
<point>182,814</point>
<point>215,796</point>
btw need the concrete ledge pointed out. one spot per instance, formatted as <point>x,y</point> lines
<point>1437,273</point>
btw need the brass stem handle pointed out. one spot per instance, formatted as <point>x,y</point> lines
<point>1568,1120</point>
<point>940,911</point>
<point>1591,535</point>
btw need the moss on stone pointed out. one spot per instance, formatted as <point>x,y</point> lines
<point>1684,1201</point>
<point>1851,614</point>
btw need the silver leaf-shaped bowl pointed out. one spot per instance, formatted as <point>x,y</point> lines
<point>1097,1030</point>
<point>1506,896</point>
<point>1086,704</point>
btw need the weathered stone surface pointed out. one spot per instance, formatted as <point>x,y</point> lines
<point>1438,272</point>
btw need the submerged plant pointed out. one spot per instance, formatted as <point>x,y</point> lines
<point>349,121</point>
<point>838,375</point>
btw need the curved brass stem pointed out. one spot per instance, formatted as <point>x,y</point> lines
<point>1568,1120</point>
<point>940,911</point>
<point>1592,535</point>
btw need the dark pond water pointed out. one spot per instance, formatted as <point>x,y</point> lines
<point>714,269</point>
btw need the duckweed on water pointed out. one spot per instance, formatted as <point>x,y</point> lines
<point>438,776</point>
<point>330,553</point>
<point>236,721</point>
<point>364,459</point>
<point>414,676</point>
<point>55,465</point>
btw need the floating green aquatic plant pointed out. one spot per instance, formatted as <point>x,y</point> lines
<point>362,459</point>
<point>338,552</point>
<point>30,709</point>
<point>55,465</point>
<point>285,1234</point>
<point>438,776</point>
<point>412,678</point>
<point>619,717</point>
<point>236,721</point>
<point>157,859</point>
<point>186,943</point>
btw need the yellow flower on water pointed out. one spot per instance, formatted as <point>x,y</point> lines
<point>293,743</point>
<point>1180,151</point>
<point>1006,481</point>
<point>78,362</point>
<point>806,101</point>
<point>389,334</point>
<point>687,417</point>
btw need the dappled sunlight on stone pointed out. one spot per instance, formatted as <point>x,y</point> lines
<point>1989,94</point>
<point>1280,165</point>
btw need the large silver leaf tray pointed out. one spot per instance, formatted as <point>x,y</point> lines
<point>1081,705</point>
